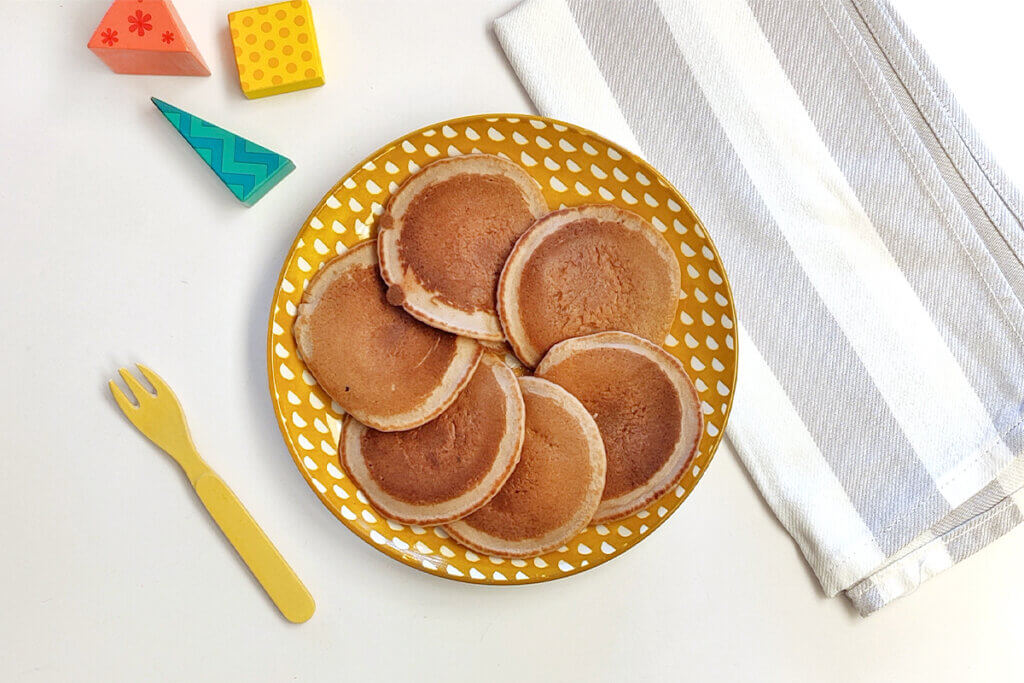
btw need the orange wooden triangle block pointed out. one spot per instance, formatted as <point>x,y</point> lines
<point>146,37</point>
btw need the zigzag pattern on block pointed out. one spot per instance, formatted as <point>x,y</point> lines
<point>248,169</point>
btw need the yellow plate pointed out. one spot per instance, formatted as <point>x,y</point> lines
<point>573,166</point>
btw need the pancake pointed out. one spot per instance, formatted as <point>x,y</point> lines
<point>452,465</point>
<point>587,269</point>
<point>446,234</point>
<point>553,491</point>
<point>645,405</point>
<point>386,369</point>
<point>504,352</point>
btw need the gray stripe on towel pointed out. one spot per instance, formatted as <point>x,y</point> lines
<point>927,245</point>
<point>996,522</point>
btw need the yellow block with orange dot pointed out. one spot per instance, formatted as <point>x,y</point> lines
<point>275,48</point>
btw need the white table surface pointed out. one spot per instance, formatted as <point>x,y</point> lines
<point>117,245</point>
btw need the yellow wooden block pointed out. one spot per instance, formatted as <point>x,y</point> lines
<point>275,48</point>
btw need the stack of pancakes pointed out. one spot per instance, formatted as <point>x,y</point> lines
<point>412,334</point>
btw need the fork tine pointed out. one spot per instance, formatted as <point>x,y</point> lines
<point>156,380</point>
<point>127,407</point>
<point>134,385</point>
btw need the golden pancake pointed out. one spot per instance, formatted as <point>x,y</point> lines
<point>645,405</point>
<point>446,234</point>
<point>507,356</point>
<point>385,368</point>
<point>553,491</point>
<point>452,465</point>
<point>587,269</point>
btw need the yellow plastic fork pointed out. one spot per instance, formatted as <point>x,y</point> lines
<point>159,416</point>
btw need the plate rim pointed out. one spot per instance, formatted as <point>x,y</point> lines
<point>280,419</point>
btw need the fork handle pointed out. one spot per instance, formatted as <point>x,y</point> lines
<point>265,562</point>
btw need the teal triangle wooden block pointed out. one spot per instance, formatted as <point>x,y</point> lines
<point>249,170</point>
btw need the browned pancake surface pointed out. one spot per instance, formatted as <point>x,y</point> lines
<point>445,457</point>
<point>552,477</point>
<point>645,406</point>
<point>459,232</point>
<point>592,276</point>
<point>635,407</point>
<point>370,355</point>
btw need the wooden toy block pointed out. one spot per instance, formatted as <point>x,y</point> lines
<point>275,48</point>
<point>146,37</point>
<point>248,169</point>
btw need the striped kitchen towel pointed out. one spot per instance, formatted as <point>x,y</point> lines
<point>873,246</point>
